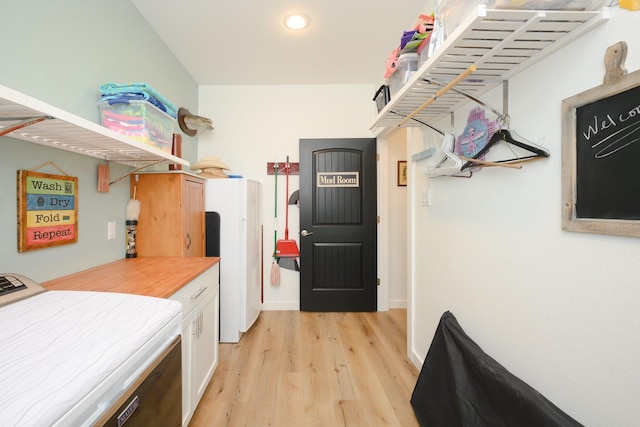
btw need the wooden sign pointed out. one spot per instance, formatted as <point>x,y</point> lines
<point>601,149</point>
<point>47,210</point>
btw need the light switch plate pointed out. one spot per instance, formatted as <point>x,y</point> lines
<point>111,230</point>
<point>426,198</point>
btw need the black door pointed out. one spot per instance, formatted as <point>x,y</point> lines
<point>338,225</point>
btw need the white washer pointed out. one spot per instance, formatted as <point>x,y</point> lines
<point>68,356</point>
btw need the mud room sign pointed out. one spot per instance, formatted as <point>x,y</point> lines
<point>47,210</point>
<point>338,179</point>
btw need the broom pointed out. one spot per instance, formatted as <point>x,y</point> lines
<point>286,249</point>
<point>275,268</point>
<point>132,212</point>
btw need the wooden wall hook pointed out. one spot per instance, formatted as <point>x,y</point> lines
<point>614,61</point>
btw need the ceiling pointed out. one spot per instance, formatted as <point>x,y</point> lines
<point>244,42</point>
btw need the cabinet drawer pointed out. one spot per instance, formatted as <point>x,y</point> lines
<point>196,290</point>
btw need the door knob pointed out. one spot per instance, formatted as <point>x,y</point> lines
<point>305,233</point>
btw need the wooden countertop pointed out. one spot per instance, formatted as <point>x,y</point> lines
<point>155,277</point>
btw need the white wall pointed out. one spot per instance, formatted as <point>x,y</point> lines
<point>259,124</point>
<point>558,309</point>
<point>397,204</point>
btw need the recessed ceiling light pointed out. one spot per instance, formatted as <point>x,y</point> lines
<point>296,21</point>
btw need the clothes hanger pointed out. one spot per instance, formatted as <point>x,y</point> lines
<point>504,134</point>
<point>445,162</point>
<point>485,163</point>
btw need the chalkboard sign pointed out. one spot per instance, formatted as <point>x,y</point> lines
<point>601,158</point>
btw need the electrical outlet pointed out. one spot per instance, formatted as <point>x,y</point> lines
<point>111,230</point>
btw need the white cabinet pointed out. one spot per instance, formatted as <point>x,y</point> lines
<point>204,346</point>
<point>200,308</point>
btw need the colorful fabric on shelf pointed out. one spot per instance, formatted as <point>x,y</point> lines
<point>132,121</point>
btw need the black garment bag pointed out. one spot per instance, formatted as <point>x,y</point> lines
<point>460,385</point>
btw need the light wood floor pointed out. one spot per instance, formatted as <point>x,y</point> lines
<point>314,369</point>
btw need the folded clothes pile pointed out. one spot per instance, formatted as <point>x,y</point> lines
<point>139,120</point>
<point>411,41</point>
<point>211,167</point>
<point>115,93</point>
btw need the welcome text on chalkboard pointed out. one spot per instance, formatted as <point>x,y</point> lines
<point>601,158</point>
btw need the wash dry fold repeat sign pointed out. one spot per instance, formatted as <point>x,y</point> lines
<point>47,210</point>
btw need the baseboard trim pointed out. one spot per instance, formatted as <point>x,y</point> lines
<point>416,360</point>
<point>398,303</point>
<point>295,305</point>
<point>281,306</point>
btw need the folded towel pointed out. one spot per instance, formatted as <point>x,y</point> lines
<point>115,88</point>
<point>125,97</point>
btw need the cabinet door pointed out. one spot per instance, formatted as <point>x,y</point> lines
<point>205,347</point>
<point>187,406</point>
<point>200,305</point>
<point>171,221</point>
<point>194,218</point>
<point>160,221</point>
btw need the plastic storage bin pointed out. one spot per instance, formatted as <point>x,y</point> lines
<point>424,51</point>
<point>382,97</point>
<point>141,121</point>
<point>406,66</point>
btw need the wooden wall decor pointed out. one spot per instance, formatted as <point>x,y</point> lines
<point>402,173</point>
<point>601,149</point>
<point>293,170</point>
<point>47,210</point>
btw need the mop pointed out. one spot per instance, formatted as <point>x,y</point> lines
<point>286,249</point>
<point>275,267</point>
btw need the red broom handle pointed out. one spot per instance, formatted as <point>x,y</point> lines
<point>286,203</point>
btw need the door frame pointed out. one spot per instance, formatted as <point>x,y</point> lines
<point>382,151</point>
<point>384,228</point>
<point>361,218</point>
<point>383,181</point>
<point>386,181</point>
